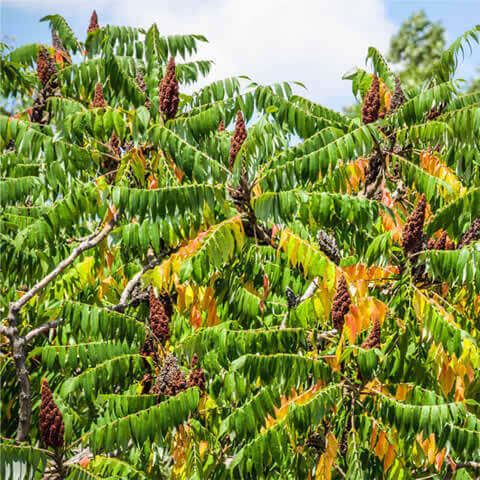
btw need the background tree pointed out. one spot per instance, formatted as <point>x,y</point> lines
<point>415,47</point>
<point>186,294</point>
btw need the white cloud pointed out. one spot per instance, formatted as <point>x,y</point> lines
<point>313,41</point>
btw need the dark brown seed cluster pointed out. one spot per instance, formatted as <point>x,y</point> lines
<point>99,99</point>
<point>45,66</point>
<point>292,299</point>
<point>221,126</point>
<point>56,42</point>
<point>328,246</point>
<point>168,91</point>
<point>375,163</point>
<point>146,383</point>
<point>143,87</point>
<point>412,237</point>
<point>114,145</point>
<point>341,304</point>
<point>371,102</point>
<point>51,420</point>
<point>373,339</point>
<point>148,349</point>
<point>239,136</point>
<point>160,313</point>
<point>93,22</point>
<point>472,234</point>
<point>398,97</point>
<point>170,379</point>
<point>197,375</point>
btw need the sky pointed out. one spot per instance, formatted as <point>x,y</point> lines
<point>312,41</point>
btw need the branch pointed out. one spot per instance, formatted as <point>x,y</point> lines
<point>18,342</point>
<point>123,303</point>
<point>77,251</point>
<point>41,329</point>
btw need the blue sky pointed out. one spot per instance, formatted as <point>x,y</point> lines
<point>269,40</point>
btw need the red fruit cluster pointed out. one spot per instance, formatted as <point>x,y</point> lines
<point>373,339</point>
<point>160,313</point>
<point>168,91</point>
<point>51,420</point>
<point>45,66</point>
<point>239,136</point>
<point>93,22</point>
<point>472,234</point>
<point>99,99</point>
<point>412,236</point>
<point>341,304</point>
<point>371,102</point>
<point>197,375</point>
<point>170,379</point>
<point>221,126</point>
<point>398,97</point>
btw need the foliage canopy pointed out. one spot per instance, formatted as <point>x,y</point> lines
<point>188,292</point>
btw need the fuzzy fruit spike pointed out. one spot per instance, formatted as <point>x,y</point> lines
<point>45,65</point>
<point>373,339</point>
<point>413,229</point>
<point>168,91</point>
<point>160,312</point>
<point>371,102</point>
<point>93,23</point>
<point>239,137</point>
<point>56,42</point>
<point>51,420</point>
<point>99,99</point>
<point>328,245</point>
<point>221,126</point>
<point>197,375</point>
<point>170,379</point>
<point>472,234</point>
<point>341,304</point>
<point>431,243</point>
<point>398,97</point>
<point>114,145</point>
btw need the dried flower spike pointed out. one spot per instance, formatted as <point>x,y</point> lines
<point>371,102</point>
<point>413,230</point>
<point>143,87</point>
<point>221,126</point>
<point>398,97</point>
<point>239,136</point>
<point>93,23</point>
<point>51,420</point>
<point>328,246</point>
<point>114,145</point>
<point>168,91</point>
<point>341,304</point>
<point>56,42</point>
<point>170,379</point>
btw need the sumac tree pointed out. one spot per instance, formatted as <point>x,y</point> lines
<point>188,291</point>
